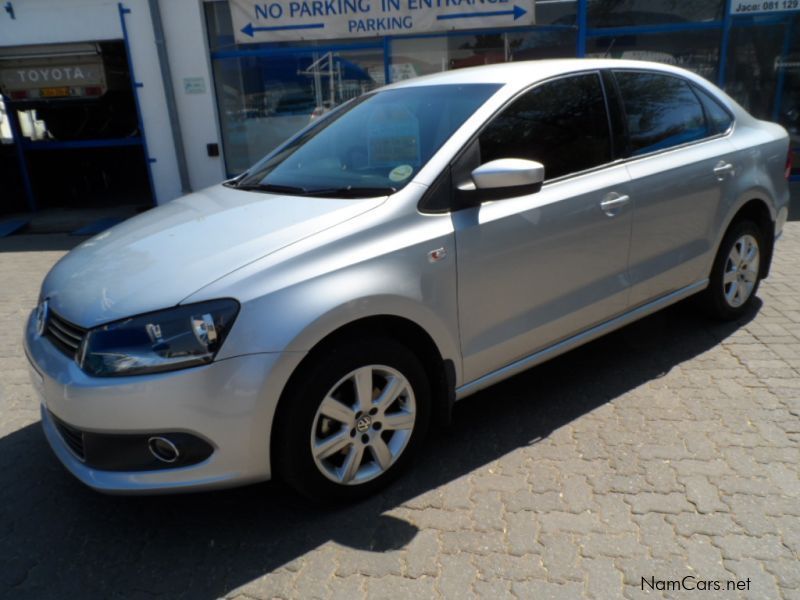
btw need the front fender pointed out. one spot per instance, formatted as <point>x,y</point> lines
<point>290,303</point>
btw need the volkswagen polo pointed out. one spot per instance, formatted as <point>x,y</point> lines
<point>313,317</point>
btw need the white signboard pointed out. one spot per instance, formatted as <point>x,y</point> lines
<point>194,85</point>
<point>749,7</point>
<point>284,20</point>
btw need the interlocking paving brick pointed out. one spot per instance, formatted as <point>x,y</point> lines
<point>422,553</point>
<point>560,557</point>
<point>616,545</point>
<point>689,523</point>
<point>508,566</point>
<point>542,590</point>
<point>392,587</point>
<point>703,495</point>
<point>646,502</point>
<point>739,546</point>
<point>603,580</point>
<point>457,576</point>
<point>523,533</point>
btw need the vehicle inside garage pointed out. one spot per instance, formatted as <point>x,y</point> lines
<point>71,131</point>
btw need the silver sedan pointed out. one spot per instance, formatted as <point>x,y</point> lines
<point>313,317</point>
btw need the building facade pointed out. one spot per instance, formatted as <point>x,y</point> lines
<point>138,102</point>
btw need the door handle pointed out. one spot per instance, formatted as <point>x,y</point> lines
<point>613,202</point>
<point>722,169</point>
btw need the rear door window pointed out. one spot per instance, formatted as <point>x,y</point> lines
<point>661,111</point>
<point>562,124</point>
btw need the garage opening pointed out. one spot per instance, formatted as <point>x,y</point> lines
<point>71,124</point>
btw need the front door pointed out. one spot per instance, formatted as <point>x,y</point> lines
<point>539,268</point>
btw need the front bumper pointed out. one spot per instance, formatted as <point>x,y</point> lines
<point>229,403</point>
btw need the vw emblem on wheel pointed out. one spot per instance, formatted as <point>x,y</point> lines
<point>41,317</point>
<point>363,424</point>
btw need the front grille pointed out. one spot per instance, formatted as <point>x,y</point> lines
<point>72,437</point>
<point>64,335</point>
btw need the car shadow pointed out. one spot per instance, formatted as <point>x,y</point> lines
<point>57,536</point>
<point>34,242</point>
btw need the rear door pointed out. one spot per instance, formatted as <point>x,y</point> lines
<point>681,163</point>
<point>538,268</point>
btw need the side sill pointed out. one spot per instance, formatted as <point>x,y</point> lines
<point>577,340</point>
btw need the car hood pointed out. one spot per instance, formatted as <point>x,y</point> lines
<point>160,257</point>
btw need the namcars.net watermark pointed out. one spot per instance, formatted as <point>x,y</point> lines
<point>691,583</point>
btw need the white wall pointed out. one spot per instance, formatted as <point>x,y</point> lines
<point>52,21</point>
<point>184,30</point>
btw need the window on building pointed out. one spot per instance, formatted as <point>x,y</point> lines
<point>661,111</point>
<point>561,124</point>
<point>751,75</point>
<point>556,12</point>
<point>415,56</point>
<point>697,51</point>
<point>626,13</point>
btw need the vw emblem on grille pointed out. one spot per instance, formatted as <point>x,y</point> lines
<point>42,312</point>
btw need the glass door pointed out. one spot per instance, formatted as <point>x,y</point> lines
<point>754,48</point>
<point>788,92</point>
<point>14,197</point>
<point>265,96</point>
<point>763,70</point>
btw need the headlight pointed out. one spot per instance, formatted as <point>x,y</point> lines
<point>185,336</point>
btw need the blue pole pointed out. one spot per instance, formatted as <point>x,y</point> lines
<point>583,25</point>
<point>727,22</point>
<point>16,133</point>
<point>387,61</point>
<point>136,85</point>
<point>787,45</point>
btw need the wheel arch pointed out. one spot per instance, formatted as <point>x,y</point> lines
<point>754,208</point>
<point>441,371</point>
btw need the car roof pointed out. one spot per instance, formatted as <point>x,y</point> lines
<point>523,73</point>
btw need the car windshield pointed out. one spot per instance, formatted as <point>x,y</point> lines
<point>372,146</point>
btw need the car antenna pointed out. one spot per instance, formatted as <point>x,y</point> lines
<point>610,46</point>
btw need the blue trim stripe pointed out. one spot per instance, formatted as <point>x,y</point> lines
<point>109,143</point>
<point>292,51</point>
<point>283,27</point>
<point>136,86</point>
<point>645,29</point>
<point>772,18</point>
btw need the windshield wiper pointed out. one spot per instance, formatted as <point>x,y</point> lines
<point>351,192</point>
<point>269,187</point>
<point>340,192</point>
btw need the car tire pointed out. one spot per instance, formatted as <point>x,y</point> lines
<point>334,444</point>
<point>736,273</point>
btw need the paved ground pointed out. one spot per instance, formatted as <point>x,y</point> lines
<point>669,449</point>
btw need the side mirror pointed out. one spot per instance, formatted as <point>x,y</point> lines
<point>502,178</point>
<point>508,173</point>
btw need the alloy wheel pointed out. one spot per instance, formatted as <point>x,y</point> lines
<point>741,271</point>
<point>363,424</point>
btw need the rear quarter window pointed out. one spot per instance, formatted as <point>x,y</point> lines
<point>719,119</point>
